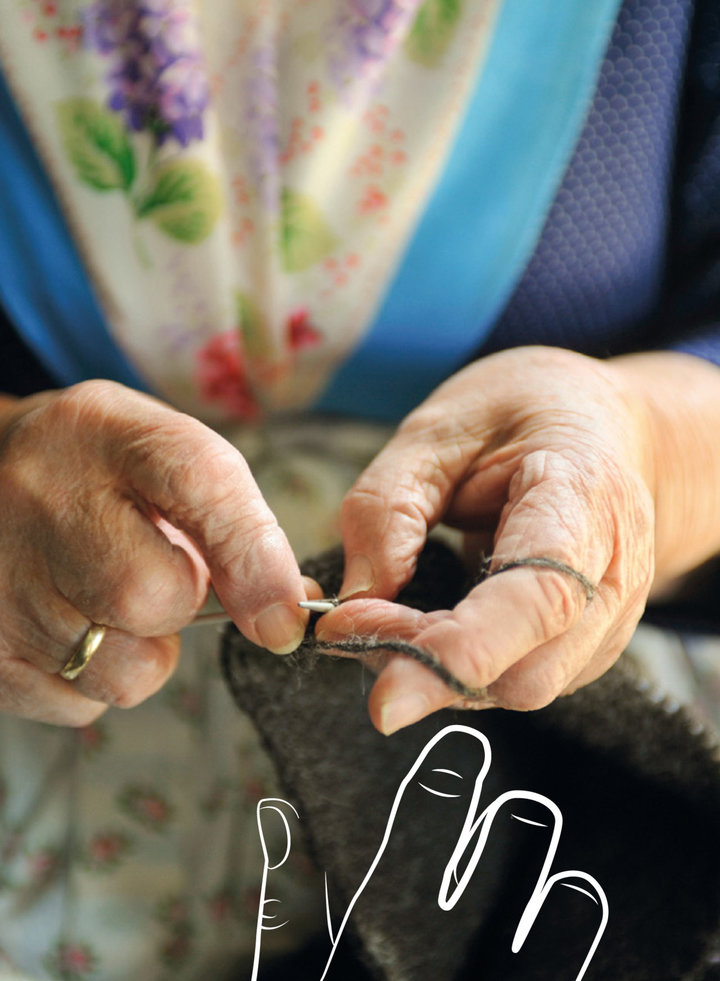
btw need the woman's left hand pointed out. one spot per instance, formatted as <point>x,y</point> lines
<point>533,452</point>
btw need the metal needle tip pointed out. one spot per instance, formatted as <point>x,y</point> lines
<point>319,606</point>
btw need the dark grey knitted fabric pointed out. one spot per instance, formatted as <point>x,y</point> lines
<point>637,784</point>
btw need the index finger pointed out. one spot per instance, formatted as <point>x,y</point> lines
<point>202,485</point>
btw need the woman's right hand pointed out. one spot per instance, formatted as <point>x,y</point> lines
<point>88,477</point>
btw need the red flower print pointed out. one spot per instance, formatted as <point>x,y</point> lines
<point>300,331</point>
<point>222,905</point>
<point>92,738</point>
<point>43,864</point>
<point>221,376</point>
<point>186,701</point>
<point>71,962</point>
<point>255,790</point>
<point>106,849</point>
<point>147,806</point>
<point>374,200</point>
<point>50,23</point>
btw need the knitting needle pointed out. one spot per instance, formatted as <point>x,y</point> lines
<point>219,617</point>
<point>320,606</point>
<point>315,606</point>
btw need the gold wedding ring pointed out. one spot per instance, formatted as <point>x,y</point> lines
<point>80,658</point>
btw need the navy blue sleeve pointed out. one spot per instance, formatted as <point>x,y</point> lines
<point>20,371</point>
<point>629,257</point>
<point>693,281</point>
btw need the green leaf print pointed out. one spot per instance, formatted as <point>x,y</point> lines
<point>305,237</point>
<point>184,200</point>
<point>432,31</point>
<point>252,323</point>
<point>97,144</point>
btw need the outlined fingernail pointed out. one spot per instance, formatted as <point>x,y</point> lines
<point>280,629</point>
<point>403,711</point>
<point>359,577</point>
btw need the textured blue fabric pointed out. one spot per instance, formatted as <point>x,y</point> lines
<point>596,278</point>
<point>692,293</point>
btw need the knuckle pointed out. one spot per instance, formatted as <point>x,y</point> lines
<point>112,682</point>
<point>210,472</point>
<point>468,660</point>
<point>83,410</point>
<point>250,557</point>
<point>124,695</point>
<point>535,682</point>
<point>454,424</point>
<point>528,694</point>
<point>431,417</point>
<point>401,503</point>
<point>187,461</point>
<point>117,692</point>
<point>49,450</point>
<point>141,602</point>
<point>363,498</point>
<point>89,396</point>
<point>559,603</point>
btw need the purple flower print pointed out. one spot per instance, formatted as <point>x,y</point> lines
<point>107,24</point>
<point>365,34</point>
<point>157,76</point>
<point>262,124</point>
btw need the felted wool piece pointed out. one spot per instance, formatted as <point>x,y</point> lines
<point>637,784</point>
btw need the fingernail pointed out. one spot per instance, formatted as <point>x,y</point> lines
<point>403,711</point>
<point>359,576</point>
<point>279,629</point>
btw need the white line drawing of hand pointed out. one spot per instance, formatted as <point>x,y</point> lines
<point>266,807</point>
<point>446,783</point>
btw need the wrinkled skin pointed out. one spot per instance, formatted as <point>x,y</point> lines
<point>119,510</point>
<point>533,452</point>
<point>103,492</point>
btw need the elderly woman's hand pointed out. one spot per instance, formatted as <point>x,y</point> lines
<point>89,478</point>
<point>534,452</point>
